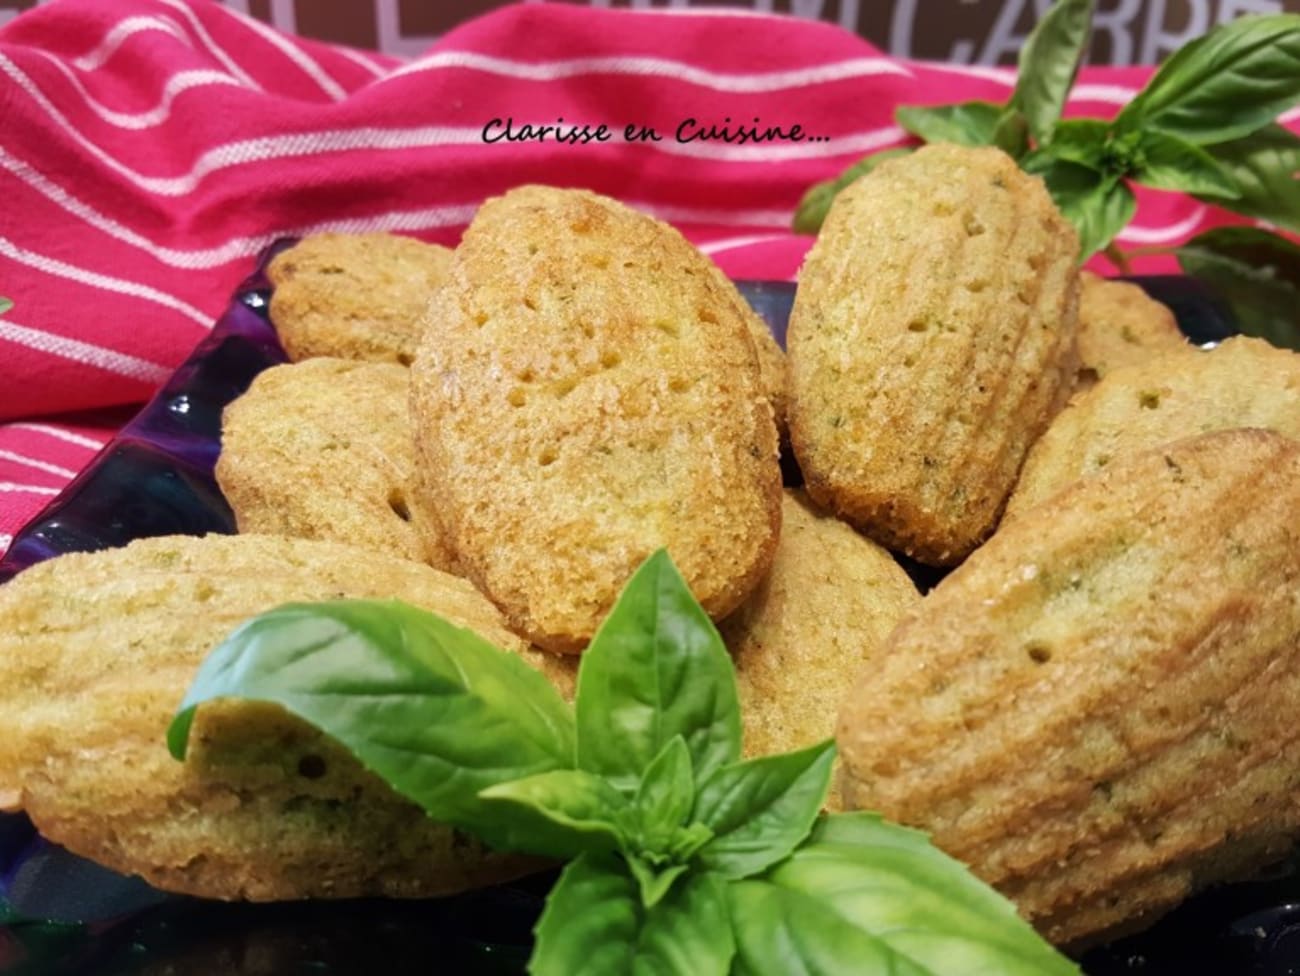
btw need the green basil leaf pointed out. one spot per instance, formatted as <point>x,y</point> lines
<point>1223,85</point>
<point>1049,63</point>
<point>966,124</point>
<point>1263,166</point>
<point>891,883</point>
<point>761,810</point>
<point>688,933</point>
<point>1011,134</point>
<point>816,203</point>
<point>595,923</point>
<point>654,881</point>
<point>1256,273</point>
<point>1169,163</point>
<point>666,795</point>
<point>780,930</point>
<point>434,709</point>
<point>655,669</point>
<point>5,305</point>
<point>1098,205</point>
<point>591,920</point>
<point>575,812</point>
<point>1082,141</point>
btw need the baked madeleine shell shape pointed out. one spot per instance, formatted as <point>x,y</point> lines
<point>1096,711</point>
<point>932,338</point>
<point>322,450</point>
<point>98,649</point>
<point>1242,383</point>
<point>1120,325</point>
<point>354,296</point>
<point>590,394</point>
<point>821,613</point>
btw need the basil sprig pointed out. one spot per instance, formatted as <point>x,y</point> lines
<point>685,859</point>
<point>5,305</point>
<point>1203,125</point>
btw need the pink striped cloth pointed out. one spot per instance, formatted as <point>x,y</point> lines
<point>150,148</point>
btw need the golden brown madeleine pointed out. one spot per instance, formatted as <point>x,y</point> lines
<point>322,450</point>
<point>96,651</point>
<point>592,395</point>
<point>825,608</point>
<point>1096,711</point>
<point>355,296</point>
<point>932,338</point>
<point>1120,325</point>
<point>1241,383</point>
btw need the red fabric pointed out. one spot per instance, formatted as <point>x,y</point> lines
<point>149,148</point>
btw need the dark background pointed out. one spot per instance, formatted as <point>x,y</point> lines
<point>967,31</point>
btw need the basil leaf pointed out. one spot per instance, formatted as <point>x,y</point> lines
<point>656,669</point>
<point>816,203</point>
<point>760,810</point>
<point>1049,63</point>
<point>1011,134</point>
<point>654,881</point>
<point>594,923</point>
<point>1082,141</point>
<point>894,885</point>
<point>1098,205</point>
<point>1256,273</point>
<point>1263,167</point>
<point>575,812</point>
<point>1223,85</point>
<point>967,124</point>
<point>5,305</point>
<point>1169,163</point>
<point>666,795</point>
<point>434,709</point>
<point>780,930</point>
<point>591,920</point>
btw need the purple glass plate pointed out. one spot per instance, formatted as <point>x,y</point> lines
<point>155,478</point>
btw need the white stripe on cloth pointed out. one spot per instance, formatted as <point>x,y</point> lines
<point>177,83</point>
<point>360,58</point>
<point>64,435</point>
<point>34,463</point>
<point>123,30</point>
<point>730,243</point>
<point>750,83</point>
<point>85,353</point>
<point>33,489</point>
<point>94,279</point>
<point>285,45</point>
<point>197,26</point>
<point>1167,232</point>
<point>5,541</point>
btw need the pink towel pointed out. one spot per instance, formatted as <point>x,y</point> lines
<point>150,148</point>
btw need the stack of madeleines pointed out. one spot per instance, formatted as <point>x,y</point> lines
<point>1090,709</point>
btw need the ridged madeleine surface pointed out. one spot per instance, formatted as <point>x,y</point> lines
<point>322,450</point>
<point>355,296</point>
<point>1096,710</point>
<point>932,338</point>
<point>824,609</point>
<point>96,652</point>
<point>592,394</point>
<point>1241,383</point>
<point>1120,325</point>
